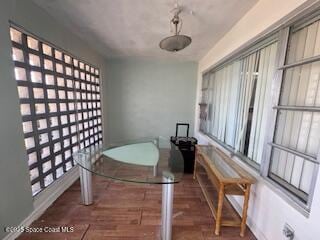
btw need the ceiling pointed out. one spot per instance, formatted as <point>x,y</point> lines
<point>134,28</point>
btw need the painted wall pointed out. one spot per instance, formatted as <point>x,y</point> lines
<point>16,201</point>
<point>147,97</point>
<point>268,211</point>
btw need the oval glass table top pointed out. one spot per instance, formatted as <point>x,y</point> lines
<point>148,160</point>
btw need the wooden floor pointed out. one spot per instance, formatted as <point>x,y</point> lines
<point>126,211</point>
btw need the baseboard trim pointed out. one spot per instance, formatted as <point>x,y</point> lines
<point>253,227</point>
<point>46,198</point>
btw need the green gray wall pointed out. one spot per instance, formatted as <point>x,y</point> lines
<point>16,201</point>
<point>147,97</point>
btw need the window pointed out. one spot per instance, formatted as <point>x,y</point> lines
<point>59,103</point>
<point>265,106</point>
<point>235,96</point>
<point>296,139</point>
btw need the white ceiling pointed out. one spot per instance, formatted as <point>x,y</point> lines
<point>134,28</point>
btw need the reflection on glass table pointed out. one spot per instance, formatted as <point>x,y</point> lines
<point>144,161</point>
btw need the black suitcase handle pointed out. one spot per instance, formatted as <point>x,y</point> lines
<point>182,124</point>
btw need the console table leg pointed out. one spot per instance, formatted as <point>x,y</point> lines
<point>86,186</point>
<point>244,210</point>
<point>219,209</point>
<point>167,208</point>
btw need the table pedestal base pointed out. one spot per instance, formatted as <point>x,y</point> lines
<point>167,200</point>
<point>86,186</point>
<point>167,208</point>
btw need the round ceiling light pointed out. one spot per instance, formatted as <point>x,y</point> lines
<point>176,42</point>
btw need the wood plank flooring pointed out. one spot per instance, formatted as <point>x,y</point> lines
<point>124,211</point>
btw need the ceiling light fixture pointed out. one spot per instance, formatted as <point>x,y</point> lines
<point>176,42</point>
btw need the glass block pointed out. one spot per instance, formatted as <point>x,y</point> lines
<point>27,127</point>
<point>67,59</point>
<point>75,62</point>
<point>15,35</point>
<point>92,70</point>
<point>40,108</point>
<point>46,49</point>
<point>57,147</point>
<point>59,68</point>
<point>65,131</point>
<point>67,154</point>
<point>25,109</point>
<point>72,118</point>
<point>45,152</point>
<point>69,83</point>
<point>59,172</point>
<point>77,85</point>
<point>17,55</point>
<point>76,73</point>
<point>97,72</point>
<point>79,116</point>
<point>51,94</point>
<point>20,74</point>
<point>52,107</point>
<point>55,134</point>
<point>71,106</point>
<point>49,79</point>
<point>87,68</point>
<point>62,94</point>
<point>81,65</point>
<point>32,158</point>
<point>78,96</point>
<point>48,65</point>
<point>58,160</point>
<point>34,173</point>
<point>93,79</point>
<point>68,165</point>
<point>34,60</point>
<point>73,129</point>
<point>36,188</point>
<point>63,107</point>
<point>57,54</point>
<point>41,124</point>
<point>75,148</point>
<point>66,143</point>
<point>70,95</point>
<point>43,138</point>
<point>82,76</point>
<point>46,166</point>
<point>53,121</point>
<point>84,96</point>
<point>68,71</point>
<point>48,180</point>
<point>38,93</point>
<point>36,77</point>
<point>88,77</point>
<point>32,43</point>
<point>60,81</point>
<point>23,92</point>
<point>29,142</point>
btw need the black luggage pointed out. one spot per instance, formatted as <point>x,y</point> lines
<point>186,145</point>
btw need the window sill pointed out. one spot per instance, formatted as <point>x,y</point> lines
<point>247,164</point>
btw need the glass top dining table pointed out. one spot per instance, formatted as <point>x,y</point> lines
<point>153,160</point>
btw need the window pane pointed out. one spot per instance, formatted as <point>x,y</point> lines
<point>304,43</point>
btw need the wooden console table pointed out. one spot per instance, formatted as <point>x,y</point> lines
<point>214,168</point>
